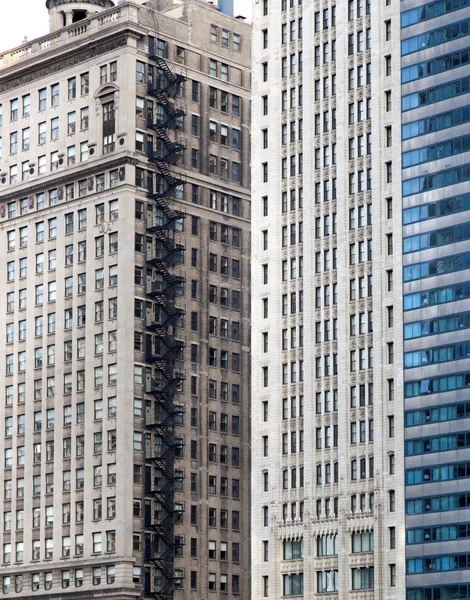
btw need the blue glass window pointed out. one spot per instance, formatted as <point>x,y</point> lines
<point>437,385</point>
<point>436,151</point>
<point>441,354</point>
<point>437,414</point>
<point>433,210</point>
<point>436,564</point>
<point>438,443</point>
<point>435,37</point>
<point>437,325</point>
<point>437,296</point>
<point>431,11</point>
<point>437,238</point>
<point>444,503</point>
<point>454,591</point>
<point>434,66</point>
<point>439,533</point>
<point>436,93</point>
<point>437,266</point>
<point>425,183</point>
<point>451,118</point>
<point>431,474</point>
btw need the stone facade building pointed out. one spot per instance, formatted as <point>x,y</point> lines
<point>360,300</point>
<point>125,245</point>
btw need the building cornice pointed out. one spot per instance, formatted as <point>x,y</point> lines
<point>67,177</point>
<point>22,76</point>
<point>103,3</point>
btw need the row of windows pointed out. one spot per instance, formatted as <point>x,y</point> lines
<point>48,514</point>
<point>295,32</point>
<point>212,582</point>
<point>54,163</point>
<point>50,420</point>
<point>362,438</point>
<point>223,423</point>
<point>441,443</point>
<point>440,208</point>
<point>360,507</point>
<point>212,482</point>
<point>25,137</point>
<point>223,553</point>
<point>325,475</point>
<point>98,376</point>
<point>296,440</point>
<point>434,66</point>
<point>437,414</point>
<point>286,484</point>
<point>48,480</point>
<point>436,151</point>
<point>360,81</point>
<point>419,358</point>
<point>362,472</point>
<point>49,579</point>
<point>361,288</point>
<point>69,225</point>
<point>219,133</point>
<point>435,564</point>
<point>445,592</point>
<point>66,446</point>
<point>224,38</point>
<point>445,472</point>
<point>358,360</point>
<point>327,581</point>
<point>97,547</point>
<point>68,261</point>
<point>417,506</point>
<point>435,37</point>
<point>360,111</point>
<point>445,120</point>
<point>356,42</point>
<point>68,323</point>
<point>435,385</point>
<point>356,9</point>
<point>442,295</point>
<point>291,271</point>
<point>431,10</point>
<point>220,166</point>
<point>327,545</point>
<point>437,325</point>
<point>55,195</point>
<point>354,396</point>
<point>439,533</point>
<point>215,95</point>
<point>54,95</point>
<point>293,549</point>
<point>436,93</point>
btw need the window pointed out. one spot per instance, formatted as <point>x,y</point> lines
<point>72,88</point>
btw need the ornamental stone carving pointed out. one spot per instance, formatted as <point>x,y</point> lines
<point>103,3</point>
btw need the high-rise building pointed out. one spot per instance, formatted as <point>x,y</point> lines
<point>435,135</point>
<point>125,248</point>
<point>360,300</point>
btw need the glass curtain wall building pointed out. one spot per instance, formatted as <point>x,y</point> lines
<point>435,57</point>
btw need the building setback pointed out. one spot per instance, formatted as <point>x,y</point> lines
<point>125,248</point>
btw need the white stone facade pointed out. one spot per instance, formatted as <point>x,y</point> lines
<point>330,360</point>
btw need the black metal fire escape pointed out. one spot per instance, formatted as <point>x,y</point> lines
<point>162,349</point>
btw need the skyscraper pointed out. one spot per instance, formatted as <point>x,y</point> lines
<point>125,242</point>
<point>435,145</point>
<point>359,411</point>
